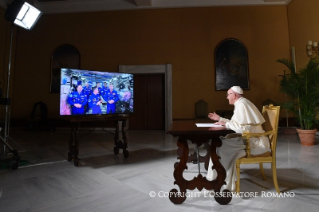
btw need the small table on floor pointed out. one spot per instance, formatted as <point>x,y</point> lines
<point>118,144</point>
<point>187,130</point>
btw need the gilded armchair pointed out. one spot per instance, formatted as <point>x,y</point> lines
<point>271,116</point>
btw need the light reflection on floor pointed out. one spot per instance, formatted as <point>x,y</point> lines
<point>108,182</point>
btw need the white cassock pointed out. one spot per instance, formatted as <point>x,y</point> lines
<point>246,118</point>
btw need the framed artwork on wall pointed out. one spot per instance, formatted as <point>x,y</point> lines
<point>65,56</point>
<point>231,65</point>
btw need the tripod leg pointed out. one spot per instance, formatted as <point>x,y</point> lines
<point>74,144</point>
<point>14,161</point>
<point>192,158</point>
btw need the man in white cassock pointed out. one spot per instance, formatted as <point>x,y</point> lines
<point>246,117</point>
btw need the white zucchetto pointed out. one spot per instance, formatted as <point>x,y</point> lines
<point>237,89</point>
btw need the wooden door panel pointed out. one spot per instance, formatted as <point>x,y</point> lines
<point>138,120</point>
<point>155,102</point>
<point>149,106</point>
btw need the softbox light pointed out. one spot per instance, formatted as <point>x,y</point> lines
<point>22,14</point>
<point>25,16</point>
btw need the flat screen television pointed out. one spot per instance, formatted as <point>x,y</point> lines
<point>85,92</point>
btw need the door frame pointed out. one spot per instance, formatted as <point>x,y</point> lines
<point>165,69</point>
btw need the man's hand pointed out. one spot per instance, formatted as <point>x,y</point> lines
<point>111,101</point>
<point>77,105</point>
<point>216,128</point>
<point>214,116</point>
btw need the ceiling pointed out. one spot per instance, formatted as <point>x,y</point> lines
<point>71,6</point>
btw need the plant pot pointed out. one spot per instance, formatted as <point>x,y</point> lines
<point>307,137</point>
<point>288,130</point>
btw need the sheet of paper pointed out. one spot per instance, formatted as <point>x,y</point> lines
<point>208,125</point>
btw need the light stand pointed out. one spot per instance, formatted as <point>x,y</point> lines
<point>24,15</point>
<point>6,101</point>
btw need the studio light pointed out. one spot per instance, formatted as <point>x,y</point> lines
<point>22,14</point>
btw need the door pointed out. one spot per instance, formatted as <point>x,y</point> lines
<point>149,103</point>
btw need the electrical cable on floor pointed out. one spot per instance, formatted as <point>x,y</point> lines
<point>108,131</point>
<point>86,133</point>
<point>40,164</point>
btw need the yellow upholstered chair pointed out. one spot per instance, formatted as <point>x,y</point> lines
<point>271,116</point>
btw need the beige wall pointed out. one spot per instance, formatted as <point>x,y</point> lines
<point>303,26</point>
<point>185,38</point>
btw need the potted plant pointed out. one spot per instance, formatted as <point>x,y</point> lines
<point>302,90</point>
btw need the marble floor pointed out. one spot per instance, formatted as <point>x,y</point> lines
<point>108,182</point>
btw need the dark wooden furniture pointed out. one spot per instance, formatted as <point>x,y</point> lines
<point>187,130</point>
<point>118,144</point>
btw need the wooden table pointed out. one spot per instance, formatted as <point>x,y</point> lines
<point>187,130</point>
<point>118,144</point>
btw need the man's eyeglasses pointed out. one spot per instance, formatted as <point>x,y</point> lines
<point>228,94</point>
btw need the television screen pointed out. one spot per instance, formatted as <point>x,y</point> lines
<point>85,92</point>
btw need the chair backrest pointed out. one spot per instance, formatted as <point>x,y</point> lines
<point>201,109</point>
<point>271,116</point>
<point>40,110</point>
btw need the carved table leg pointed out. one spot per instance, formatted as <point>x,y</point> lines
<point>199,182</point>
<point>202,159</point>
<point>74,144</point>
<point>193,158</point>
<point>125,151</point>
<point>116,139</point>
<point>119,144</point>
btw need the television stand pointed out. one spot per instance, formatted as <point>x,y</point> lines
<point>118,144</point>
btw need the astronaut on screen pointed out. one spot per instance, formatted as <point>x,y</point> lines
<point>77,100</point>
<point>95,101</point>
<point>111,97</point>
